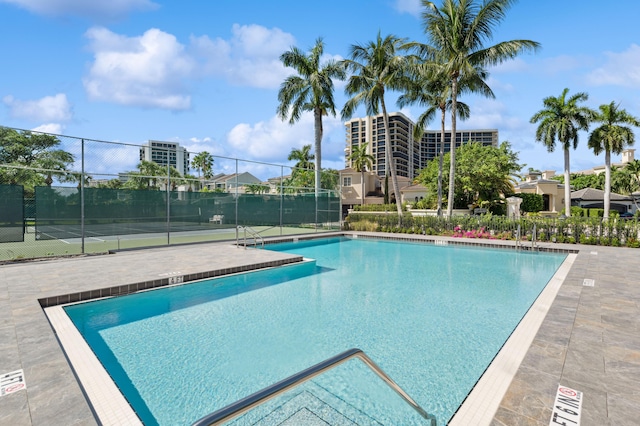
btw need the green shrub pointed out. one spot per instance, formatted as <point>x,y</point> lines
<point>577,211</point>
<point>531,202</point>
<point>363,225</point>
<point>377,208</point>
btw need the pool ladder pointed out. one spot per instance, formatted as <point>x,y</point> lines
<point>242,406</point>
<point>534,238</point>
<point>257,238</point>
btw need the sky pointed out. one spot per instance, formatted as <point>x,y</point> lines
<point>206,74</point>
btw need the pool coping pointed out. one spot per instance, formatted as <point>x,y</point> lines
<point>478,408</point>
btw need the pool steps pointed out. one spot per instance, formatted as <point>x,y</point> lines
<point>250,402</point>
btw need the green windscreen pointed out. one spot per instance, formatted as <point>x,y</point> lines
<point>11,213</point>
<point>125,211</point>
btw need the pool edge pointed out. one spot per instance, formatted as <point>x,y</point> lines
<point>482,403</point>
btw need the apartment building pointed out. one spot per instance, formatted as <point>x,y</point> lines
<point>409,154</point>
<point>164,153</point>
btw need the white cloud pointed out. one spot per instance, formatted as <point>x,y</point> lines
<point>152,70</point>
<point>412,7</point>
<point>272,141</point>
<point>53,128</point>
<point>146,71</point>
<point>620,69</point>
<point>100,10</point>
<point>49,108</point>
<point>250,58</point>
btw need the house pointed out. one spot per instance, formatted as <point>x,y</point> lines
<point>413,193</point>
<point>235,182</point>
<point>627,157</point>
<point>552,191</point>
<point>351,189</point>
<point>590,198</point>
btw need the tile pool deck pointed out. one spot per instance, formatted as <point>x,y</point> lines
<point>589,340</point>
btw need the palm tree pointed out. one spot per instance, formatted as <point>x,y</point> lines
<point>633,168</point>
<point>310,90</point>
<point>457,32</point>
<point>361,160</point>
<point>302,157</point>
<point>203,161</point>
<point>376,67</point>
<point>432,90</point>
<point>611,136</point>
<point>563,118</point>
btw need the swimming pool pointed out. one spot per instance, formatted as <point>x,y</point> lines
<point>432,317</point>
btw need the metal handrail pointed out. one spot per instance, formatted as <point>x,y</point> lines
<point>534,238</point>
<point>256,236</point>
<point>242,406</point>
<point>518,242</point>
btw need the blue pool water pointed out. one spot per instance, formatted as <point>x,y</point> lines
<point>433,317</point>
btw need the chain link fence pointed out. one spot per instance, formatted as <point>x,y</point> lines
<point>62,195</point>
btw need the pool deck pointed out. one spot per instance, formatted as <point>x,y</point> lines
<point>589,340</point>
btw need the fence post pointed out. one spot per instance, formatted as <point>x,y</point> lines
<point>168,199</point>
<point>236,197</point>
<point>281,197</point>
<point>82,196</point>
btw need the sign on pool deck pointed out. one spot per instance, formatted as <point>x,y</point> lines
<point>567,407</point>
<point>12,382</point>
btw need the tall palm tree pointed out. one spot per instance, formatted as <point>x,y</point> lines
<point>203,161</point>
<point>361,160</point>
<point>457,32</point>
<point>376,67</point>
<point>611,136</point>
<point>562,119</point>
<point>302,157</point>
<point>310,90</point>
<point>432,90</point>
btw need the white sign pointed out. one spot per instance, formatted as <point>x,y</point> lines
<point>12,382</point>
<point>175,280</point>
<point>567,407</point>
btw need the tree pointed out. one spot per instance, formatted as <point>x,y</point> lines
<point>633,168</point>
<point>361,161</point>
<point>485,173</point>
<point>457,32</point>
<point>562,119</point>
<point>611,136</point>
<point>432,90</point>
<point>203,161</point>
<point>376,67</point>
<point>330,179</point>
<point>55,163</point>
<point>257,188</point>
<point>310,90</point>
<point>150,175</point>
<point>302,157</point>
<point>31,159</point>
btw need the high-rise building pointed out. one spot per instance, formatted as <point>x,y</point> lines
<point>410,155</point>
<point>405,149</point>
<point>164,153</point>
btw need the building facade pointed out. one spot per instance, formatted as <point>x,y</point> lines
<point>409,154</point>
<point>166,153</point>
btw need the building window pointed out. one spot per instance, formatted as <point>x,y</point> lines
<point>346,181</point>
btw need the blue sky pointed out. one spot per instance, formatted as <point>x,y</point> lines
<point>206,73</point>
